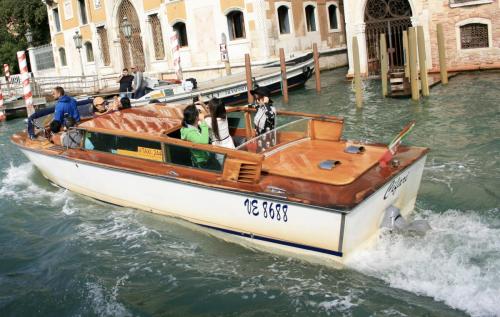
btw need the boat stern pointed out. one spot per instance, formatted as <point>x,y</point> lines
<point>364,221</point>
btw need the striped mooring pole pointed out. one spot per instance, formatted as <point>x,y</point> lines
<point>174,41</point>
<point>6,71</point>
<point>25,79</point>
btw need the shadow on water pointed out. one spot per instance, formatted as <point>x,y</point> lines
<point>66,255</point>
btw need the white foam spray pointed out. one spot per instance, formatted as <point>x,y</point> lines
<point>458,262</point>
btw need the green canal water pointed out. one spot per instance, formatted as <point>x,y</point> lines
<point>62,254</point>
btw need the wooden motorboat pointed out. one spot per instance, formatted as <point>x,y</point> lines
<point>295,189</point>
<point>232,89</point>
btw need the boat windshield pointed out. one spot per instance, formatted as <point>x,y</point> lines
<point>275,139</point>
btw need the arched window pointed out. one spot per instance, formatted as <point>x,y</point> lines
<point>62,57</point>
<point>89,52</point>
<point>180,28</point>
<point>332,17</point>
<point>474,35</point>
<point>236,25</point>
<point>310,18</point>
<point>284,20</point>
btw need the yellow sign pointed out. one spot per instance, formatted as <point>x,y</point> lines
<point>144,152</point>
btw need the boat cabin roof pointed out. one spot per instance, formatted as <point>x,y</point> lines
<point>151,119</point>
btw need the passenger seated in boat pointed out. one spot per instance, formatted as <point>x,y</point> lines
<point>195,129</point>
<point>218,125</point>
<point>125,102</point>
<point>99,106</point>
<point>265,118</point>
<point>70,138</point>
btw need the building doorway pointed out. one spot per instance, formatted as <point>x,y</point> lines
<point>390,17</point>
<point>132,50</point>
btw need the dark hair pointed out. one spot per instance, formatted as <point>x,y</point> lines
<point>190,115</point>
<point>125,69</point>
<point>55,126</point>
<point>69,122</point>
<point>60,90</point>
<point>217,110</point>
<point>125,101</point>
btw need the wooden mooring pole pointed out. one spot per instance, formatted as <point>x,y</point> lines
<point>412,45</point>
<point>424,82</point>
<point>284,80</point>
<point>248,70</point>
<point>317,72</point>
<point>357,72</point>
<point>406,54</point>
<point>384,65</point>
<point>442,55</point>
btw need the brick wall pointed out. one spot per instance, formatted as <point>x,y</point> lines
<point>458,58</point>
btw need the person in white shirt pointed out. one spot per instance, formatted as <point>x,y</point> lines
<point>218,125</point>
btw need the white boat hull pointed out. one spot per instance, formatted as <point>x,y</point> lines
<point>299,229</point>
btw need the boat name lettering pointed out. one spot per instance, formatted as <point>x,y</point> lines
<point>395,184</point>
<point>268,210</point>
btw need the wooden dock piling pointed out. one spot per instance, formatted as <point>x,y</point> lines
<point>284,80</point>
<point>384,65</point>
<point>442,55</point>
<point>412,45</point>
<point>248,70</point>
<point>317,72</point>
<point>406,54</point>
<point>424,82</point>
<point>357,72</point>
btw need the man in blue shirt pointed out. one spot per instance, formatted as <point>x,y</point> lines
<point>65,106</point>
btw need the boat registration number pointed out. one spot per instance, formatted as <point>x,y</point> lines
<point>266,209</point>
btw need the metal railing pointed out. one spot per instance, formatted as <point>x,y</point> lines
<point>73,85</point>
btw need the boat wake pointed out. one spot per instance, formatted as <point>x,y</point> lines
<point>457,262</point>
<point>104,302</point>
<point>19,184</point>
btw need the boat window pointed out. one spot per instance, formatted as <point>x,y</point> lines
<point>206,160</point>
<point>274,139</point>
<point>236,120</point>
<point>121,145</point>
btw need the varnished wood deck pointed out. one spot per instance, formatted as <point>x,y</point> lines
<point>301,161</point>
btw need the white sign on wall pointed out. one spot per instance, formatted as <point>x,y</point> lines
<point>223,52</point>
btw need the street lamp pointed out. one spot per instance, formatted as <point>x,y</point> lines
<point>78,43</point>
<point>126,28</point>
<point>29,37</point>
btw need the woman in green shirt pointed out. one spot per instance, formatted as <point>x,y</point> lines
<point>195,129</point>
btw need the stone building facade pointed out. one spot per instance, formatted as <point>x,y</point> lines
<point>471,28</point>
<point>257,27</point>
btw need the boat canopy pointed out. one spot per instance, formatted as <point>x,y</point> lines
<point>151,120</point>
